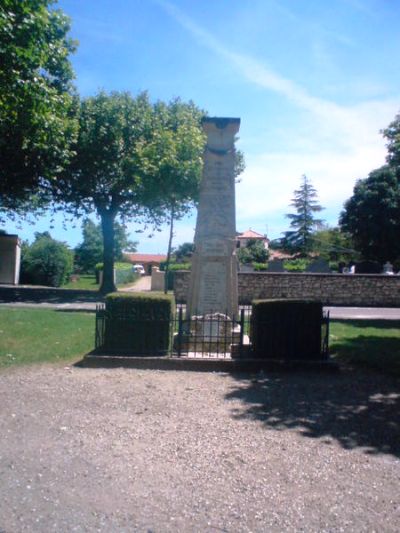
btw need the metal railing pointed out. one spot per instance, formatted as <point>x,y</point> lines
<point>212,336</point>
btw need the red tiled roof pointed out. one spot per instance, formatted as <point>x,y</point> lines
<point>145,258</point>
<point>250,234</point>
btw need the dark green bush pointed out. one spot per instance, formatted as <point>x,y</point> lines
<point>296,265</point>
<point>138,323</point>
<point>286,329</point>
<point>46,262</point>
<point>173,267</point>
<point>260,267</point>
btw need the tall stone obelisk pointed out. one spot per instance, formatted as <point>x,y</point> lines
<point>213,282</point>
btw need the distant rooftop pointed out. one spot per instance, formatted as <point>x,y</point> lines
<point>145,258</point>
<point>250,234</point>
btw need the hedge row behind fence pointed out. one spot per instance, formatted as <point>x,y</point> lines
<point>138,323</point>
<point>286,329</point>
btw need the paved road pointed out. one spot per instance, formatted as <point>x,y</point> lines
<point>364,313</point>
<point>143,284</point>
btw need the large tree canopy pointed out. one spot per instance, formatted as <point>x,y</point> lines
<point>372,215</point>
<point>303,222</point>
<point>133,159</point>
<point>36,98</point>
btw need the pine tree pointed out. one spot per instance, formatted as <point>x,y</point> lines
<point>303,222</point>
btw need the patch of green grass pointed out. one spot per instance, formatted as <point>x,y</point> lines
<point>84,281</point>
<point>43,335</point>
<point>88,282</point>
<point>373,344</point>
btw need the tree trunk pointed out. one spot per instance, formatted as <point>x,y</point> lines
<point>107,226</point>
<point>171,234</point>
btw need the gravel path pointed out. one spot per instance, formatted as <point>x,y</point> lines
<point>128,450</point>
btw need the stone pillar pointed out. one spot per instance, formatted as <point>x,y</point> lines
<point>10,259</point>
<point>213,283</point>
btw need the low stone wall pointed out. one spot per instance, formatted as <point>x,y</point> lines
<point>363,290</point>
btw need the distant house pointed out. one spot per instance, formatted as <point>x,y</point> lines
<point>242,239</point>
<point>147,260</point>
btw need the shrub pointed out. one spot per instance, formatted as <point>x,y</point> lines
<point>173,267</point>
<point>46,262</point>
<point>139,323</point>
<point>286,329</point>
<point>260,267</point>
<point>296,265</point>
<point>254,251</point>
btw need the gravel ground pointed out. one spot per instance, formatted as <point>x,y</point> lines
<point>138,450</point>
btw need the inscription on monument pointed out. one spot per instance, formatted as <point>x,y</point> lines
<point>212,286</point>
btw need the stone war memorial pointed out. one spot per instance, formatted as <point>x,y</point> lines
<point>213,282</point>
<point>213,292</point>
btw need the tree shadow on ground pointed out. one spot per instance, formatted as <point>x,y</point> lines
<point>371,352</point>
<point>357,408</point>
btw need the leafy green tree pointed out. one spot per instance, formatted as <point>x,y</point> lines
<point>392,135</point>
<point>37,105</point>
<point>90,251</point>
<point>184,251</point>
<point>334,245</point>
<point>178,146</point>
<point>133,159</point>
<point>372,215</point>
<point>46,261</point>
<point>303,221</point>
<point>254,252</point>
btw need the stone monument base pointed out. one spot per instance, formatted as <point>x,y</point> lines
<point>209,334</point>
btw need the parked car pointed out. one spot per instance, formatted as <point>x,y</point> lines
<point>139,269</point>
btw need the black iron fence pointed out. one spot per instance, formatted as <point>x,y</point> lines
<point>211,336</point>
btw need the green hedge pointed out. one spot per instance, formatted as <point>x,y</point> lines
<point>138,323</point>
<point>260,267</point>
<point>286,329</point>
<point>173,267</point>
<point>296,265</point>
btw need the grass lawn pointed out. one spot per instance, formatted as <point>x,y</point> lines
<point>373,344</point>
<point>43,335</point>
<point>85,281</point>
<point>88,282</point>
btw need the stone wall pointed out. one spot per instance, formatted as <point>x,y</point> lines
<point>364,290</point>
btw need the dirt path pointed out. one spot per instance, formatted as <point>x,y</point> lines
<point>127,450</point>
<point>142,284</point>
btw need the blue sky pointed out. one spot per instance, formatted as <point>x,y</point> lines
<point>313,82</point>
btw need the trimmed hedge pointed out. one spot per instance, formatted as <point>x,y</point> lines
<point>173,267</point>
<point>260,267</point>
<point>286,329</point>
<point>138,323</point>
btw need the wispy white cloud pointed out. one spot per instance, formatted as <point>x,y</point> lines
<point>335,144</point>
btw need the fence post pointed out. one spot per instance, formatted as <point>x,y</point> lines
<point>180,330</point>
<point>242,311</point>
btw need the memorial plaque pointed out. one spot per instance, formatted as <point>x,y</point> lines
<point>213,284</point>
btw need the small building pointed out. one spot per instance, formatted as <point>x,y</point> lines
<point>242,239</point>
<point>147,260</point>
<point>10,259</point>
